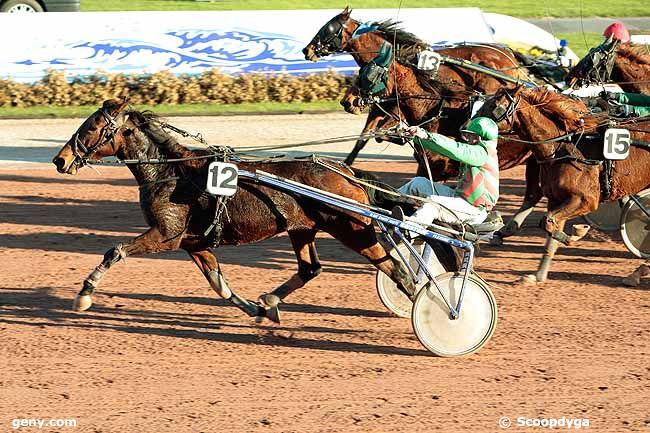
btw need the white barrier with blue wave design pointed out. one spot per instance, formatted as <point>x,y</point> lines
<point>192,42</point>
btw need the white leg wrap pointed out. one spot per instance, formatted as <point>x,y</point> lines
<point>96,276</point>
<point>219,285</point>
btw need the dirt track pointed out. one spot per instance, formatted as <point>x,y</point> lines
<point>159,353</point>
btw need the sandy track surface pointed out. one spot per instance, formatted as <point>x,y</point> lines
<point>159,353</point>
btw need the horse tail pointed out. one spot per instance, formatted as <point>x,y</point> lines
<point>382,199</point>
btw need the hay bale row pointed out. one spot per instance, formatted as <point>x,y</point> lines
<point>167,88</point>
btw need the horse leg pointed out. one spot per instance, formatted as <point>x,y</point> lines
<point>634,279</point>
<point>364,241</point>
<point>374,117</point>
<point>358,147</point>
<point>532,196</point>
<point>308,267</point>
<point>151,241</point>
<point>554,223</point>
<point>208,264</point>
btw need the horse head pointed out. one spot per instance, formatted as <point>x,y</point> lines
<point>501,107</point>
<point>99,136</point>
<point>596,67</point>
<point>543,118</point>
<point>332,37</point>
<point>352,101</point>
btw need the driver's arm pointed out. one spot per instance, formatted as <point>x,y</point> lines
<point>637,99</point>
<point>475,155</point>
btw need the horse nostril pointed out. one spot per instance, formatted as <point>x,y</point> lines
<point>59,163</point>
<point>304,51</point>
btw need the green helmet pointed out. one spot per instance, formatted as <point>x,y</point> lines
<point>484,127</point>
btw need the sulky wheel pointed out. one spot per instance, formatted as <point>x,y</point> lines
<point>635,225</point>
<point>444,336</point>
<point>393,298</point>
<point>607,217</point>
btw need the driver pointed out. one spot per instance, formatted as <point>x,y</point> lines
<point>477,189</point>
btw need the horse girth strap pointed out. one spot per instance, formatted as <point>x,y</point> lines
<point>608,168</point>
<point>216,227</point>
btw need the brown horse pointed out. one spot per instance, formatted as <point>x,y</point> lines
<point>180,213</point>
<point>408,89</point>
<point>411,95</point>
<point>567,143</point>
<point>626,64</point>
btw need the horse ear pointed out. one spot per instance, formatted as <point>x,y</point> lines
<point>124,94</point>
<point>122,105</point>
<point>345,15</point>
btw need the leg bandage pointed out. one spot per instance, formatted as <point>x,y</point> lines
<point>219,284</point>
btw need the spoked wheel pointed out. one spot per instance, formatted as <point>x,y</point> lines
<point>441,334</point>
<point>392,297</point>
<point>607,217</point>
<point>635,226</point>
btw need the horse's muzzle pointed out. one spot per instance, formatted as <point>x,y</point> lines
<point>310,54</point>
<point>351,107</point>
<point>65,167</point>
<point>60,164</point>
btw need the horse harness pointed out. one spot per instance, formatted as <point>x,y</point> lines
<point>107,134</point>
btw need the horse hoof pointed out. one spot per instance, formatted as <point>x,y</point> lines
<point>496,241</point>
<point>530,279</point>
<point>631,281</point>
<point>273,314</point>
<point>82,302</point>
<point>581,230</point>
<point>269,300</point>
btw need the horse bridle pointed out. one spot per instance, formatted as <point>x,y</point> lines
<point>334,42</point>
<point>602,60</point>
<point>500,113</point>
<point>107,134</point>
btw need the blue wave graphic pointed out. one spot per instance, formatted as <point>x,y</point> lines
<point>192,51</point>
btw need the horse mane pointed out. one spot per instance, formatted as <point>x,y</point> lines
<point>409,44</point>
<point>567,113</point>
<point>636,53</point>
<point>151,125</point>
